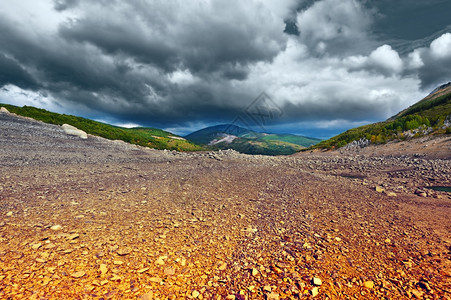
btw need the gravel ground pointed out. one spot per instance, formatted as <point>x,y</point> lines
<point>96,219</point>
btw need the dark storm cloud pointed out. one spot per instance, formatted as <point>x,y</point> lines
<point>168,37</point>
<point>410,19</point>
<point>172,62</point>
<point>12,73</point>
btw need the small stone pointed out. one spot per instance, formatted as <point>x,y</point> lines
<point>36,246</point>
<point>115,278</point>
<point>316,281</point>
<point>387,240</point>
<point>73,236</point>
<point>417,294</point>
<point>314,292</point>
<point>147,296</point>
<point>103,269</point>
<point>155,279</point>
<point>123,252</point>
<point>9,214</point>
<point>379,189</point>
<point>272,296</point>
<point>169,271</point>
<point>78,274</point>
<point>142,270</point>
<point>254,272</point>
<point>159,261</point>
<point>338,239</point>
<point>391,194</point>
<point>267,288</point>
<point>56,227</point>
<point>222,267</point>
<point>195,294</point>
<point>368,284</point>
<point>118,262</point>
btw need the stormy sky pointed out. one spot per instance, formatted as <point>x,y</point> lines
<point>325,65</point>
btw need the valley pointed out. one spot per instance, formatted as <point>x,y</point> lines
<point>100,219</point>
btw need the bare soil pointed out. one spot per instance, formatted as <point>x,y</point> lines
<point>96,219</point>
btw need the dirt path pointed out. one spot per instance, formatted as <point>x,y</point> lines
<point>93,219</point>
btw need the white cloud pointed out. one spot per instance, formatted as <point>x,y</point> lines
<point>183,77</point>
<point>441,47</point>
<point>414,60</point>
<point>387,58</point>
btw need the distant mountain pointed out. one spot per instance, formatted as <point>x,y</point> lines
<point>229,136</point>
<point>143,136</point>
<point>431,115</point>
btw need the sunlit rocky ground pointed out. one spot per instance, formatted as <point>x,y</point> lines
<point>95,219</point>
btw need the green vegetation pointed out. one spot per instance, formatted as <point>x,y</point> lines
<point>258,146</point>
<point>425,117</point>
<point>291,139</point>
<point>148,137</point>
<point>251,142</point>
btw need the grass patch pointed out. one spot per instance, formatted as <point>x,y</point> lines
<point>143,136</point>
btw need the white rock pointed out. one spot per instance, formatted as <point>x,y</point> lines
<point>317,281</point>
<point>71,130</point>
<point>4,110</point>
<point>56,227</point>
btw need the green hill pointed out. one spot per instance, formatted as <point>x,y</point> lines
<point>432,115</point>
<point>229,136</point>
<point>147,137</point>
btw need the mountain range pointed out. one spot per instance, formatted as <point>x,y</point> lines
<point>430,116</point>
<point>229,136</point>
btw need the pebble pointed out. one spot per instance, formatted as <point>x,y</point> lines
<point>78,274</point>
<point>123,252</point>
<point>195,294</point>
<point>155,279</point>
<point>272,296</point>
<point>36,246</point>
<point>316,281</point>
<point>159,261</point>
<point>315,291</point>
<point>169,271</point>
<point>9,214</point>
<point>56,227</point>
<point>115,278</point>
<point>267,288</point>
<point>222,267</point>
<point>142,270</point>
<point>73,236</point>
<point>368,284</point>
<point>103,269</point>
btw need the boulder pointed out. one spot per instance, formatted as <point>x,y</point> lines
<point>71,130</point>
<point>4,110</point>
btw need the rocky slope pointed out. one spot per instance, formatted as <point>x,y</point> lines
<point>95,219</point>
